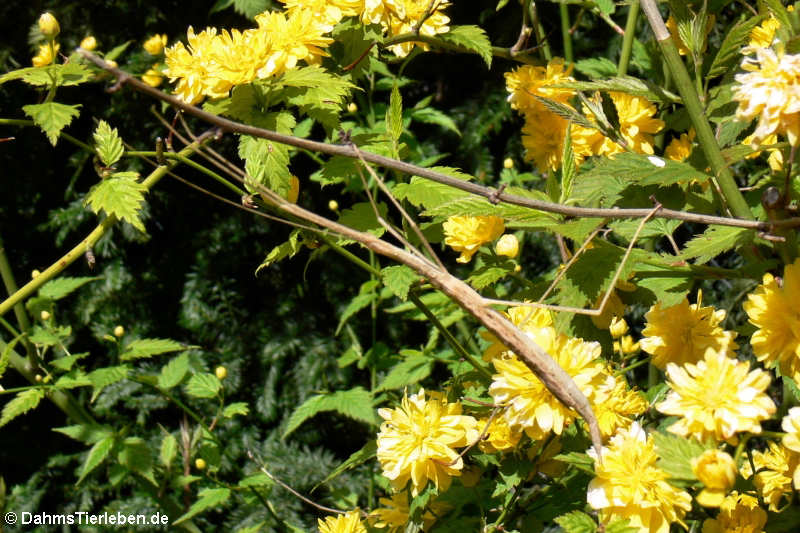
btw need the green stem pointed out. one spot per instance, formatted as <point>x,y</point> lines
<point>19,310</point>
<point>631,366</point>
<point>78,251</point>
<point>691,100</point>
<point>538,31</point>
<point>565,34</point>
<point>66,136</point>
<point>627,39</point>
<point>193,164</point>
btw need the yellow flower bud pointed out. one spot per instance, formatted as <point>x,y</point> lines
<point>48,25</point>
<point>618,327</point>
<point>35,274</point>
<point>45,315</point>
<point>333,205</point>
<point>221,372</point>
<point>38,378</point>
<point>155,44</point>
<point>717,471</point>
<point>628,346</point>
<point>89,43</point>
<point>112,63</point>
<point>352,107</point>
<point>508,245</point>
<point>200,463</point>
<point>46,55</point>
<point>152,77</point>
<point>294,189</point>
<point>517,268</point>
<point>119,331</point>
<point>508,163</point>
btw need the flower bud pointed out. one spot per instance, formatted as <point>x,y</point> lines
<point>48,25</point>
<point>294,190</point>
<point>155,44</point>
<point>45,315</point>
<point>508,245</point>
<point>717,471</point>
<point>38,378</point>
<point>89,43</point>
<point>508,163</point>
<point>333,205</point>
<point>517,268</point>
<point>46,55</point>
<point>152,77</point>
<point>618,327</point>
<point>35,274</point>
<point>119,331</point>
<point>628,346</point>
<point>352,107</point>
<point>221,372</point>
<point>200,463</point>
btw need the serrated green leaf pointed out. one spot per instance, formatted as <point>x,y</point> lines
<point>135,455</point>
<point>354,403</point>
<point>97,454</point>
<point>52,117</point>
<point>5,356</point>
<point>51,336</point>
<point>258,479</point>
<point>426,193</point>
<point>143,348</point>
<point>203,385</point>
<point>168,450</point>
<point>668,286</point>
<point>173,372</point>
<point>478,206</point>
<point>567,167</point>
<point>62,74</point>
<point>645,170</point>
<point>675,454</point>
<point>625,84</point>
<point>621,526</point>
<point>239,105</point>
<point>236,408</point>
<point>118,195</point>
<point>472,38</point>
<point>565,112</point>
<point>359,302</point>
<point>58,288</point>
<point>408,372</point>
<point>267,162</point>
<point>730,50</point>
<point>108,144</point>
<point>394,115</point>
<point>117,51</point>
<point>429,115</point>
<point>576,522</point>
<point>103,377</point>
<point>399,279</point>
<point>207,498</point>
<point>490,274</point>
<point>282,251</point>
<point>360,457</point>
<point>75,378</point>
<point>318,93</point>
<point>361,217</point>
<point>22,402</point>
<point>714,241</point>
<point>85,433</point>
<point>596,67</point>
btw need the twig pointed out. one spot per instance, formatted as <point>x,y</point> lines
<point>483,434</point>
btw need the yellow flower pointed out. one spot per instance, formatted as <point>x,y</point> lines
<point>466,234</point>
<point>155,44</point>
<point>327,13</point>
<point>500,437</point>
<point>89,43</point>
<point>291,39</point>
<point>45,55</point>
<point>679,149</point>
<point>543,138</point>
<point>717,398</point>
<point>627,346</point>
<point>770,92</point>
<point>776,472</point>
<point>343,523</point>
<point>531,405</point>
<point>774,308</point>
<point>775,158</point>
<point>527,82</point>
<point>508,245</point>
<point>739,513</point>
<point>153,77</point>
<point>394,513</point>
<point>763,34</point>
<point>294,189</point>
<point>682,333</point>
<point>615,405</point>
<point>48,25</point>
<point>402,16</point>
<point>630,486</point>
<point>791,425</point>
<point>417,441</point>
<point>528,319</point>
<point>618,327</point>
<point>717,471</point>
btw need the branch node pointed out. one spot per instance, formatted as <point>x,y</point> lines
<point>494,196</point>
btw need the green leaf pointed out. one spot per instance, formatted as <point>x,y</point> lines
<point>117,51</point>
<point>240,105</point>
<point>108,144</point>
<point>282,251</point>
<point>576,522</point>
<point>489,274</point>
<point>267,162</point>
<point>478,206</point>
<point>203,385</point>
<point>318,93</point>
<point>5,357</point>
<point>607,7</point>
<point>64,74</point>
<point>97,455</point>
<point>207,498</point>
<point>144,348</point>
<point>565,111</point>
<point>362,217</point>
<point>408,372</point>
<point>55,289</point>
<point>714,241</point>
<point>730,51</point>
<point>422,192</point>
<point>173,372</point>
<point>22,402</point>
<point>168,450</point>
<point>473,38</point>
<point>74,379</point>
<point>360,457</point>
<point>668,285</point>
<point>258,479</point>
<point>430,115</point>
<point>625,84</point>
<point>103,377</point>
<point>50,336</point>
<point>567,168</point>
<point>644,170</point>
<point>354,403</point>
<point>52,117</point>
<point>359,302</point>
<point>596,67</point>
<point>236,408</point>
<point>675,454</point>
<point>621,526</point>
<point>85,433</point>
<point>119,195</point>
<point>399,279</point>
<point>135,455</point>
<point>394,115</point>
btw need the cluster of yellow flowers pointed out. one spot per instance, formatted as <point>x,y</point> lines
<point>544,131</point>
